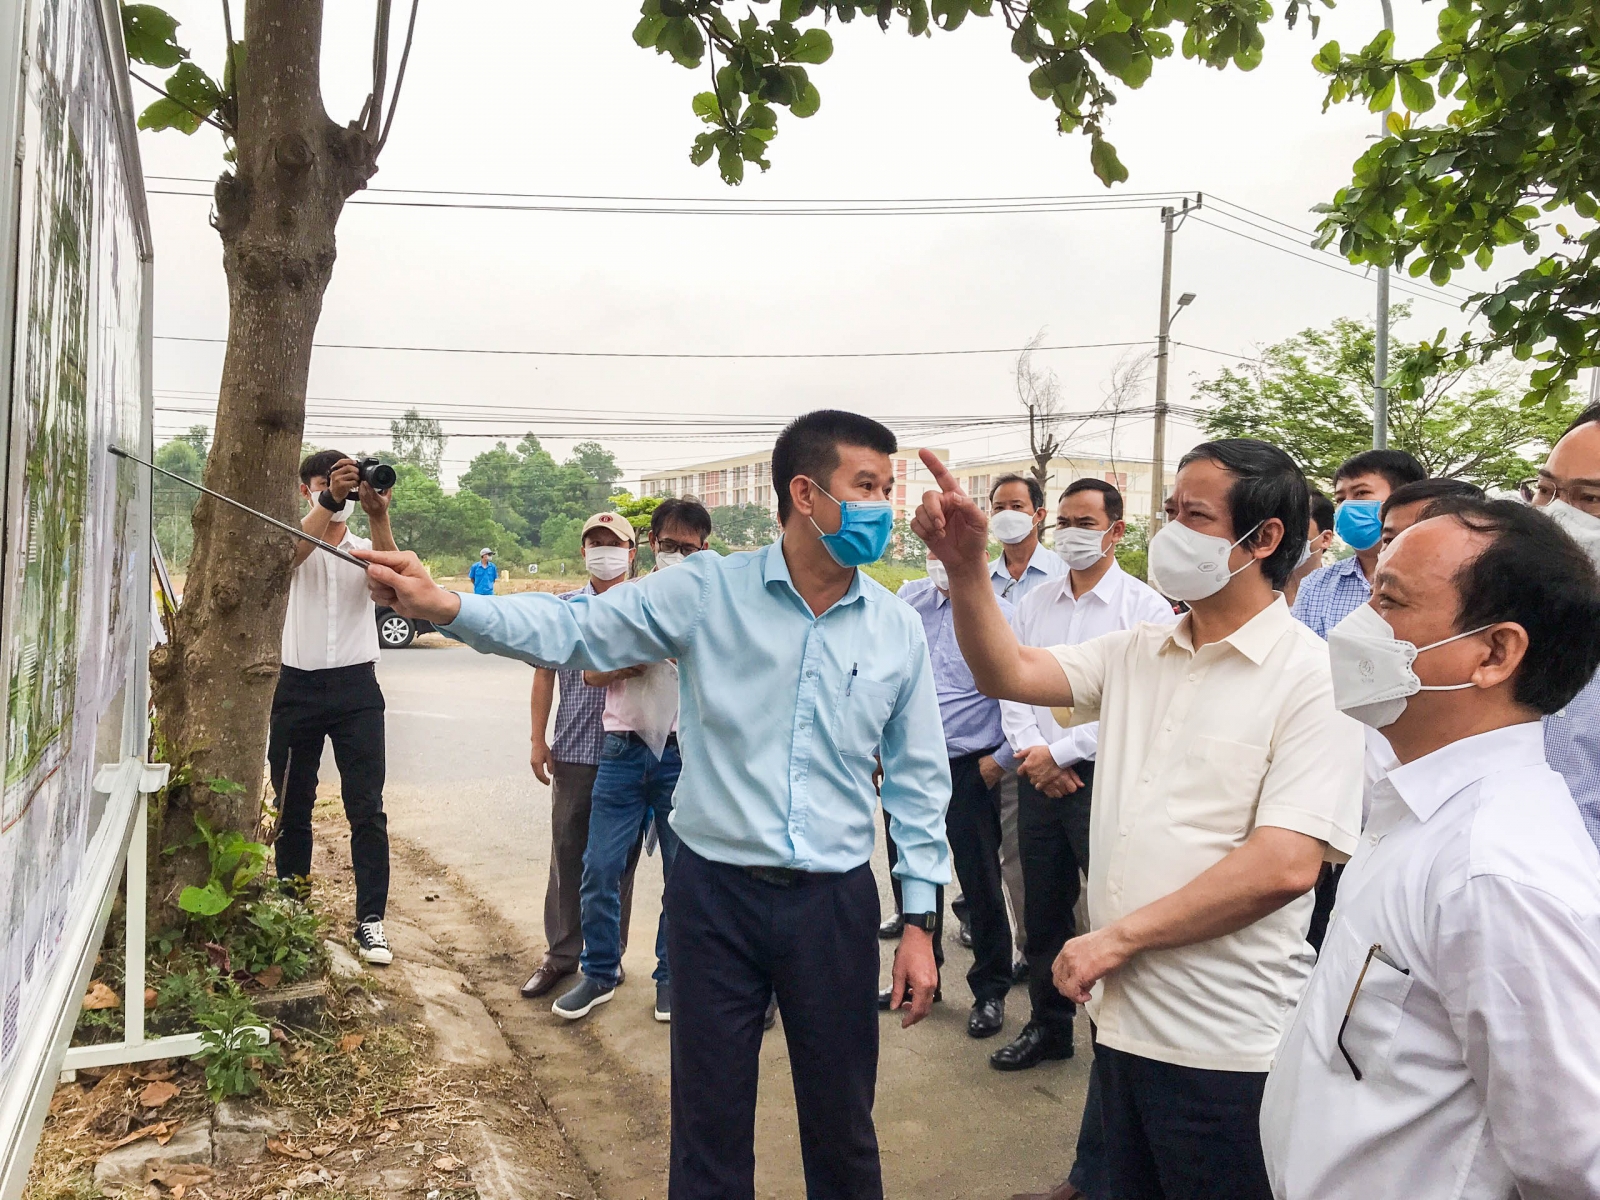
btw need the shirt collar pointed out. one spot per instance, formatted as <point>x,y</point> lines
<point>1427,783</point>
<point>1254,639</point>
<point>775,569</point>
<point>998,566</point>
<point>1349,566</point>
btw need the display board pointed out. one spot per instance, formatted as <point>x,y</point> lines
<point>74,572</point>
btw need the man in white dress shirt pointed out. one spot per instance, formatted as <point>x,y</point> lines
<point>328,690</point>
<point>1224,778</point>
<point>1447,1043</point>
<point>1056,765</point>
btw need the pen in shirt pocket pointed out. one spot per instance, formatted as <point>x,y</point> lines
<point>850,683</point>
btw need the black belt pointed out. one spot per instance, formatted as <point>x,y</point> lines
<point>784,877</point>
<point>672,739</point>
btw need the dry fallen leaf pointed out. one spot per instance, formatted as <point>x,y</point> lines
<point>351,1041</point>
<point>157,1093</point>
<point>391,1123</point>
<point>387,1136</point>
<point>285,1151</point>
<point>323,1150</point>
<point>446,1162</point>
<point>154,1131</point>
<point>176,1175</point>
<point>271,977</point>
<point>100,996</point>
<point>150,997</point>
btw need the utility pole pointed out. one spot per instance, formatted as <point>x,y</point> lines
<point>1380,349</point>
<point>1171,218</point>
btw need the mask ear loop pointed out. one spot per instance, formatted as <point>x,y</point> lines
<point>1448,687</point>
<point>1247,536</point>
<point>830,496</point>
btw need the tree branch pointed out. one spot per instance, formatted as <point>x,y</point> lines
<point>372,113</point>
<point>399,77</point>
<point>156,87</point>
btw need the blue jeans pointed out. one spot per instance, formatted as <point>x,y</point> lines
<point>630,784</point>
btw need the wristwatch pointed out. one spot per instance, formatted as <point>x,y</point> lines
<point>325,498</point>
<point>925,921</point>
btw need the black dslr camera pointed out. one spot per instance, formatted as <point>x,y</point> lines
<point>377,475</point>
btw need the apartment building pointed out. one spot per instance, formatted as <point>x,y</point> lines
<point>747,479</point>
<point>1131,476</point>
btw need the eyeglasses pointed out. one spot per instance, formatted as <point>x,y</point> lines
<point>1376,951</point>
<point>1544,490</point>
<point>668,546</point>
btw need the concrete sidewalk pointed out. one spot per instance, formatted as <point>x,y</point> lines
<point>461,792</point>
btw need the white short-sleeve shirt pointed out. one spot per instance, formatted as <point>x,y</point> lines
<point>1197,748</point>
<point>331,620</point>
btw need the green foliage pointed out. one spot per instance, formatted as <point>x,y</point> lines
<point>1518,82</point>
<point>559,537</point>
<point>420,441</point>
<point>906,548</point>
<point>529,482</point>
<point>432,523</point>
<point>234,862</point>
<point>230,1046</point>
<point>1133,551</point>
<point>172,503</point>
<point>277,931</point>
<point>638,510</point>
<point>151,36</point>
<point>1312,395</point>
<point>745,526</point>
<point>192,96</point>
<point>1073,53</point>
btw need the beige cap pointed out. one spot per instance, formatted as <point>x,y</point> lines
<point>615,522</point>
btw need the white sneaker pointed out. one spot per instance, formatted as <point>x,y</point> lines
<point>371,943</point>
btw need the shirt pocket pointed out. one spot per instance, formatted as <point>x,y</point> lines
<point>1215,786</point>
<point>864,709</point>
<point>1376,1013</point>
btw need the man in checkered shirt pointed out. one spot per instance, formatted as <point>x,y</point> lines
<point>569,763</point>
<point>1568,490</point>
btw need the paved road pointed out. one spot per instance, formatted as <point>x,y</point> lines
<point>459,785</point>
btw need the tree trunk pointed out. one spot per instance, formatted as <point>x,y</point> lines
<point>276,213</point>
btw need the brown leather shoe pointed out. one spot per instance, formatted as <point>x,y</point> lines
<point>1062,1191</point>
<point>545,979</point>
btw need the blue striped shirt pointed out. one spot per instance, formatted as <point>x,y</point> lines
<point>1572,746</point>
<point>579,733</point>
<point>1330,594</point>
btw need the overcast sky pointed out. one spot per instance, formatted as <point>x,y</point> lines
<point>533,96</point>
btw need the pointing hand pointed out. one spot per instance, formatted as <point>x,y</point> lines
<point>949,521</point>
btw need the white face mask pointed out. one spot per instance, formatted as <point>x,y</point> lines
<point>669,558</point>
<point>1080,549</point>
<point>1584,528</point>
<point>342,517</point>
<point>1011,526</point>
<point>606,562</point>
<point>1187,565</point>
<point>937,575</point>
<point>1372,675</point>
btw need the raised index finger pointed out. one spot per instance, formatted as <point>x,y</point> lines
<point>941,473</point>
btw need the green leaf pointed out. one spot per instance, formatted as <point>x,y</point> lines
<point>192,86</point>
<point>648,31</point>
<point>1113,51</point>
<point>948,14</point>
<point>169,114</point>
<point>707,108</point>
<point>813,46</point>
<point>807,102</point>
<point>1382,97</point>
<point>1107,166</point>
<point>150,34</point>
<point>221,787</point>
<point>730,163</point>
<point>705,145</point>
<point>1416,94</point>
<point>204,902</point>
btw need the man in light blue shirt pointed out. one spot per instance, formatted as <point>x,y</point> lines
<point>796,671</point>
<point>1016,520</point>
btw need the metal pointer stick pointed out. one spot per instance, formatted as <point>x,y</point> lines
<point>283,525</point>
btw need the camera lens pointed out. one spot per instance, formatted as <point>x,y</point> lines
<point>381,476</point>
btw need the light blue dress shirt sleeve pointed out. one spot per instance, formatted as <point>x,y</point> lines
<point>916,785</point>
<point>643,621</point>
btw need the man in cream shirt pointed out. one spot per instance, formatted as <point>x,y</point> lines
<point>1447,1044</point>
<point>1224,778</point>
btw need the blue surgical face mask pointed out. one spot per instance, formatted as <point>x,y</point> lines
<point>864,529</point>
<point>1359,523</point>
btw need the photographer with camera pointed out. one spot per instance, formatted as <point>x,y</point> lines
<point>328,686</point>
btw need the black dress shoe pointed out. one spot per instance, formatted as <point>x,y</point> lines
<point>966,933</point>
<point>891,928</point>
<point>544,980</point>
<point>1034,1045</point>
<point>886,997</point>
<point>986,1018</point>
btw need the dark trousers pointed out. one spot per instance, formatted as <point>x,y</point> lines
<point>1327,891</point>
<point>1180,1133</point>
<point>972,824</point>
<point>734,941</point>
<point>571,798</point>
<point>1053,835</point>
<point>1089,1164</point>
<point>899,903</point>
<point>345,705</point>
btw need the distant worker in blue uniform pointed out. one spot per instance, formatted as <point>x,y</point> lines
<point>484,573</point>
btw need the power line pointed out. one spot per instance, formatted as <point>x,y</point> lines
<point>166,337</point>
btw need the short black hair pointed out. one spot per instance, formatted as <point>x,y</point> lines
<point>321,463</point>
<point>1322,511</point>
<point>809,446</point>
<point>1429,489</point>
<point>1108,494</point>
<point>1590,415</point>
<point>1035,492</point>
<point>1399,467</point>
<point>1266,484</point>
<point>685,511</point>
<point>1533,573</point>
